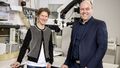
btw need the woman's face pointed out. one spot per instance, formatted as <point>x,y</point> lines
<point>43,17</point>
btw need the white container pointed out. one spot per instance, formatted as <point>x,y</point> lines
<point>2,48</point>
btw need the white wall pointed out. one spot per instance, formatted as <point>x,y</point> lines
<point>56,1</point>
<point>41,3</point>
<point>109,11</point>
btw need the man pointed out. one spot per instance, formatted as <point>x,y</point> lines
<point>88,40</point>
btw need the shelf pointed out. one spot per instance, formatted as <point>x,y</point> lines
<point>4,35</point>
<point>10,26</point>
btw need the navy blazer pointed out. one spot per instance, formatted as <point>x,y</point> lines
<point>93,44</point>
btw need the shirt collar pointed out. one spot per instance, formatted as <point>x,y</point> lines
<point>81,21</point>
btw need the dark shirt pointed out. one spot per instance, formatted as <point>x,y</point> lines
<point>81,27</point>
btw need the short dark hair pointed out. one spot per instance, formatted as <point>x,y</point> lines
<point>43,9</point>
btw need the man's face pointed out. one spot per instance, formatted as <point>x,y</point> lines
<point>85,10</point>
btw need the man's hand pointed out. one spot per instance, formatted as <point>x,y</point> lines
<point>15,65</point>
<point>64,66</point>
<point>48,65</point>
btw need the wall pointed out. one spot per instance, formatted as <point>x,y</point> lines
<point>108,11</point>
<point>40,3</point>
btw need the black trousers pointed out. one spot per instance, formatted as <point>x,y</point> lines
<point>40,67</point>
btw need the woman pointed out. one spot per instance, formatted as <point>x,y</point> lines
<point>38,41</point>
